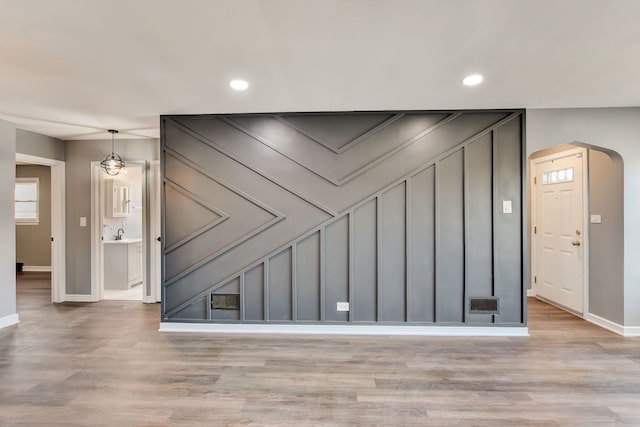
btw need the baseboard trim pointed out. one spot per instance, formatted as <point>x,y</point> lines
<point>606,324</point>
<point>632,331</point>
<point>9,320</point>
<point>78,298</point>
<point>39,268</point>
<point>449,331</point>
<point>531,292</point>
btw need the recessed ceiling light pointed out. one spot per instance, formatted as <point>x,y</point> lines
<point>239,84</point>
<point>472,80</point>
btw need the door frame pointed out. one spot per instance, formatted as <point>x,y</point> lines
<point>97,249</point>
<point>534,164</point>
<point>58,223</point>
<point>155,257</point>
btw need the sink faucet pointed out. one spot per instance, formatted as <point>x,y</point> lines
<point>119,236</point>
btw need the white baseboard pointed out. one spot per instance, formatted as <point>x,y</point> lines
<point>9,320</point>
<point>450,331</point>
<point>531,292</point>
<point>43,268</point>
<point>606,324</point>
<point>632,331</point>
<point>78,298</point>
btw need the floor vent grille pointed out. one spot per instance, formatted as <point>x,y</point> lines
<point>484,305</point>
<point>225,301</point>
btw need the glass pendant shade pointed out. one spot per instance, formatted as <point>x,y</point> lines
<point>112,164</point>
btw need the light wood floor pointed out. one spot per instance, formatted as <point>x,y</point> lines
<point>105,364</point>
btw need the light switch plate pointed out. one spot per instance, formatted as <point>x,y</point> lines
<point>83,221</point>
<point>506,207</point>
<point>596,219</point>
<point>342,306</point>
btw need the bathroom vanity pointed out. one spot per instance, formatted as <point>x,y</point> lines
<point>122,263</point>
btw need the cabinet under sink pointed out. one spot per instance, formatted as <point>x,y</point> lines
<point>122,263</point>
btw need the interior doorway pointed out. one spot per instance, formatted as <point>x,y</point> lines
<point>123,233</point>
<point>58,256</point>
<point>572,245</point>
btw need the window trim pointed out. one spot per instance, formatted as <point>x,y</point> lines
<point>29,221</point>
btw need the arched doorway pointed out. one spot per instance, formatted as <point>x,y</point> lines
<point>597,243</point>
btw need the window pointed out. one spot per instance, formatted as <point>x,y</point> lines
<point>558,176</point>
<point>26,201</point>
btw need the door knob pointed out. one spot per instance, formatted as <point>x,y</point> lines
<point>576,243</point>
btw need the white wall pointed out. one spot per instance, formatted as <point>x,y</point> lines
<point>617,129</point>
<point>7,224</point>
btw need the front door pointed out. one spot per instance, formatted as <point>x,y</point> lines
<point>558,230</point>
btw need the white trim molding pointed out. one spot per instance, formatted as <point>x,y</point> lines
<point>42,268</point>
<point>79,298</point>
<point>632,331</point>
<point>9,320</point>
<point>531,292</point>
<point>448,331</point>
<point>625,331</point>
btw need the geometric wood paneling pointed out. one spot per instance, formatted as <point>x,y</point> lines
<point>396,213</point>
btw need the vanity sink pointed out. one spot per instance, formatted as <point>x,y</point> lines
<point>124,241</point>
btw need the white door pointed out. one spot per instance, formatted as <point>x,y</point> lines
<point>558,230</point>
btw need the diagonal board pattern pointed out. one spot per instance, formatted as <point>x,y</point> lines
<point>417,234</point>
<point>339,167</point>
<point>180,204</point>
<point>345,131</point>
<point>249,217</point>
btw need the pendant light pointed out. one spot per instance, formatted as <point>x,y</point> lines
<point>112,164</point>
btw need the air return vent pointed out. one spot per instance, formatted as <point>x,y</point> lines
<point>225,301</point>
<point>484,305</point>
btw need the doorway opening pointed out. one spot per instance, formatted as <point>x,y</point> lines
<point>125,227</point>
<point>52,260</point>
<point>577,231</point>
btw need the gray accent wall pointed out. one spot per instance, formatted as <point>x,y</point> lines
<point>7,220</point>
<point>33,242</point>
<point>78,157</point>
<point>39,145</point>
<point>397,213</point>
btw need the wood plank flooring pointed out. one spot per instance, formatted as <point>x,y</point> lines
<point>105,364</point>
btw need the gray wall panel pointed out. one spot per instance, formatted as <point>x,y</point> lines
<point>606,240</point>
<point>416,145</point>
<point>336,268</point>
<point>339,207</point>
<point>308,278</point>
<point>253,298</point>
<point>508,227</point>
<point>421,237</point>
<point>279,286</point>
<point>365,298</point>
<point>479,234</point>
<point>195,311</point>
<point>450,249</point>
<point>391,256</point>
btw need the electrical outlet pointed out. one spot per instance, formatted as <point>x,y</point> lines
<point>342,306</point>
<point>506,207</point>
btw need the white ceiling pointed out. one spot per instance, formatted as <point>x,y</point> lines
<point>74,68</point>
